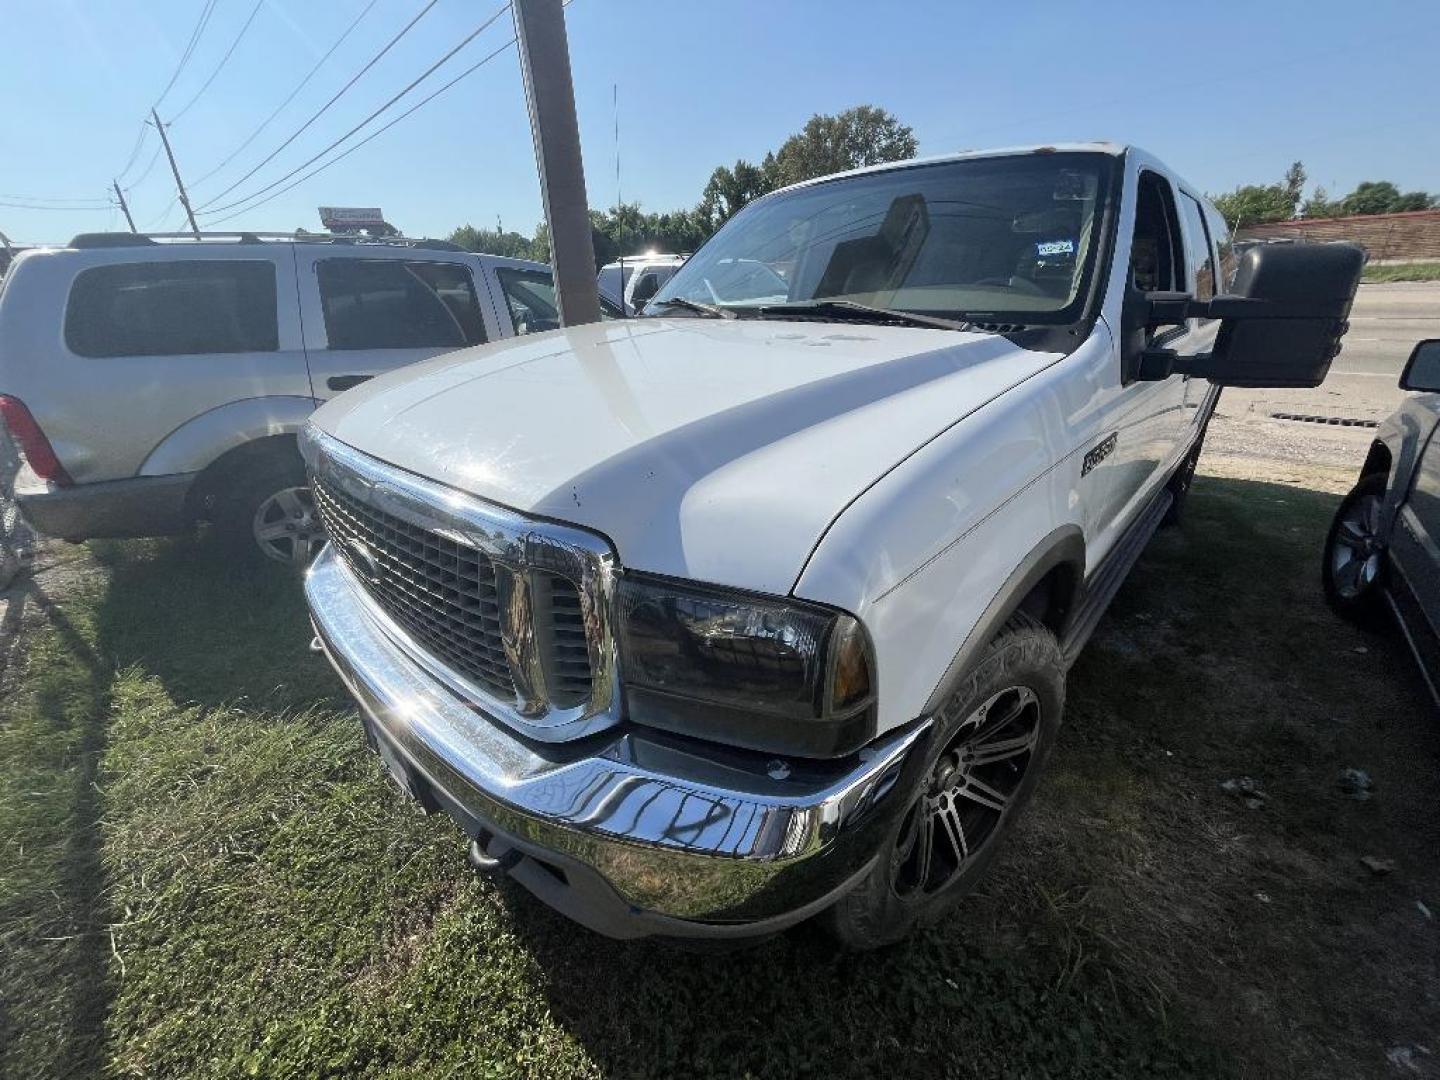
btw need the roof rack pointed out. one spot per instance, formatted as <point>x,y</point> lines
<point>126,239</point>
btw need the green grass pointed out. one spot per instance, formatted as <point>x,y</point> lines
<point>1418,271</point>
<point>204,873</point>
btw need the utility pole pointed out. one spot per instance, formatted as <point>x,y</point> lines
<point>175,169</point>
<point>121,196</point>
<point>550,95</point>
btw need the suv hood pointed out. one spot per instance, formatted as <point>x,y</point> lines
<point>719,450</point>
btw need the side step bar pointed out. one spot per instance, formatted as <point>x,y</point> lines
<point>1106,581</point>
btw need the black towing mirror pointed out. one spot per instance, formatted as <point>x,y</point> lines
<point>1282,325</point>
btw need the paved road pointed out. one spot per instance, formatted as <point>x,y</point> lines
<point>1385,323</point>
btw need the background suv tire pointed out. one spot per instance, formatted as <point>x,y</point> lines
<point>270,513</point>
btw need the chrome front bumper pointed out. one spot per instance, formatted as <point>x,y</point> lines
<point>629,832</point>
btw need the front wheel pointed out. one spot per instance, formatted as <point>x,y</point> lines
<point>985,755</point>
<point>1354,563</point>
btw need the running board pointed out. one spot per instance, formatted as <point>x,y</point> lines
<point>1106,581</point>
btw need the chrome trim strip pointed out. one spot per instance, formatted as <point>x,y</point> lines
<point>675,829</point>
<point>517,547</point>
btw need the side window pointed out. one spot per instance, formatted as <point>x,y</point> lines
<point>1200,248</point>
<point>646,287</point>
<point>1157,254</point>
<point>530,296</point>
<point>398,304</point>
<point>175,308</point>
<point>1220,230</point>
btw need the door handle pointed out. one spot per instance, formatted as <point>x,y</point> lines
<point>345,382</point>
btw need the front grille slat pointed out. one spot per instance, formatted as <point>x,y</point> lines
<point>441,592</point>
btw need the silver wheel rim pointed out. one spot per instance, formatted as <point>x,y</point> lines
<point>971,791</point>
<point>287,528</point>
<point>1355,558</point>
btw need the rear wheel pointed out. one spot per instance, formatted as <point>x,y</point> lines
<point>1354,563</point>
<point>985,755</point>
<point>271,514</point>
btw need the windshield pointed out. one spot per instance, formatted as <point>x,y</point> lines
<point>1008,239</point>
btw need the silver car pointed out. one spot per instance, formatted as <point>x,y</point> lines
<point>151,383</point>
<point>1382,556</point>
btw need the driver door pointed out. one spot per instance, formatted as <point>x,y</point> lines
<point>1152,422</point>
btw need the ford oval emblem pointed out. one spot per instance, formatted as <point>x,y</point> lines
<point>364,561</point>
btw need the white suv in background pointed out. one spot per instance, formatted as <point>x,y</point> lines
<point>633,280</point>
<point>154,383</point>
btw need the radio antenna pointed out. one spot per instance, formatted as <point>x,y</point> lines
<point>619,198</point>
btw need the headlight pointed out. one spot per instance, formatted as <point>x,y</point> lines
<point>769,673</point>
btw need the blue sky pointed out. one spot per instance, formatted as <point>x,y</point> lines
<point>1226,92</point>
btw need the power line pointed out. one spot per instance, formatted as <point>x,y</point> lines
<point>205,13</point>
<point>299,86</point>
<point>223,61</point>
<point>149,165</point>
<point>52,198</point>
<point>414,83</point>
<point>374,134</point>
<point>64,209</point>
<point>134,152</point>
<point>296,134</point>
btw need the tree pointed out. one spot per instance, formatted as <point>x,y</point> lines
<point>1320,205</point>
<point>1255,204</point>
<point>1383,197</point>
<point>729,189</point>
<point>864,135</point>
<point>512,245</point>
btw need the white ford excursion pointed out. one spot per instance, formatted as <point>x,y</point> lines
<point>760,607</point>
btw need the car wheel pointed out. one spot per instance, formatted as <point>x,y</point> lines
<point>1353,569</point>
<point>984,758</point>
<point>272,514</point>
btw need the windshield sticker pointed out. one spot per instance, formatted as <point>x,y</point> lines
<point>1054,247</point>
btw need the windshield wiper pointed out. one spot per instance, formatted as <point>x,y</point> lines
<point>708,310</point>
<point>849,309</point>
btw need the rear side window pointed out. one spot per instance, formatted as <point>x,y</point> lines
<point>1220,230</point>
<point>398,304</point>
<point>184,307</point>
<point>530,296</point>
<point>1200,248</point>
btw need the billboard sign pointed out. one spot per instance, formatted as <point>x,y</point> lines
<point>351,218</point>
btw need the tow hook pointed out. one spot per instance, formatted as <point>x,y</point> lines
<point>315,645</point>
<point>492,865</point>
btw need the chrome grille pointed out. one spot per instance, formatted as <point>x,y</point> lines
<point>506,610</point>
<point>569,652</point>
<point>442,592</point>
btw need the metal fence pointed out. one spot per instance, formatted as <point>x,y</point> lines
<point>1414,234</point>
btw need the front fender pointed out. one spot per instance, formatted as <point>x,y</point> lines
<point>198,442</point>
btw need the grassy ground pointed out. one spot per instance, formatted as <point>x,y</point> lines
<point>202,873</point>
<point>1419,271</point>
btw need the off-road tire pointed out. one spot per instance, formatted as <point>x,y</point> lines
<point>1024,654</point>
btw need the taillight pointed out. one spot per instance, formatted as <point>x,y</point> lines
<point>34,447</point>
